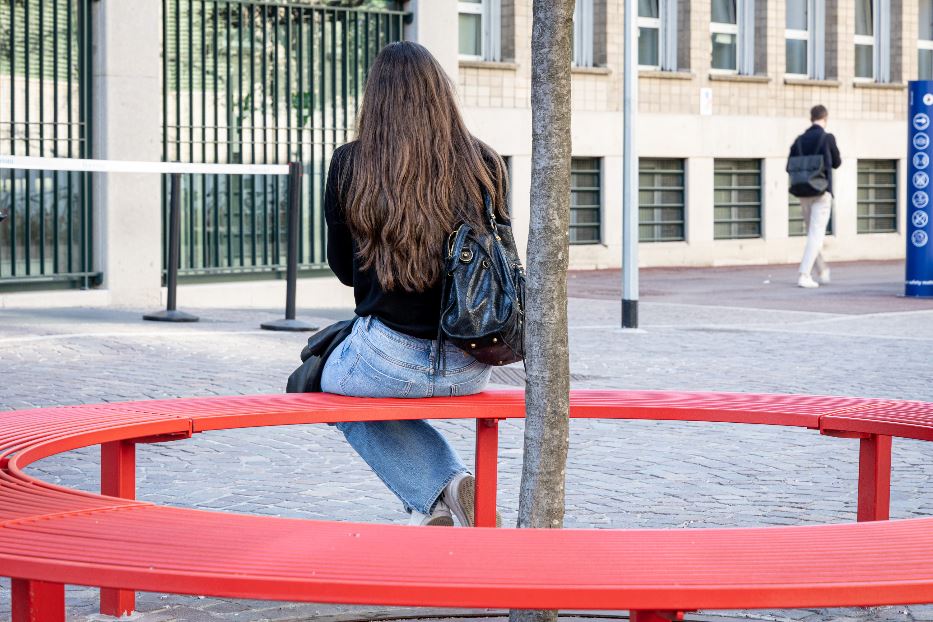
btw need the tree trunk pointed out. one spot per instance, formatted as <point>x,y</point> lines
<point>547,394</point>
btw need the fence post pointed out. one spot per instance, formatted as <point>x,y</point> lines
<point>171,314</point>
<point>291,273</point>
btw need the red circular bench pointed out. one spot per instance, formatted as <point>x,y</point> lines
<point>51,536</point>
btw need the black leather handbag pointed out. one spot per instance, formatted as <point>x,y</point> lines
<point>807,172</point>
<point>483,298</point>
<point>307,378</point>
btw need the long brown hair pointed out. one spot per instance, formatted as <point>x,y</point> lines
<point>416,170</point>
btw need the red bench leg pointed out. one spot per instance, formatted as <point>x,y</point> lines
<point>118,479</point>
<point>487,450</point>
<point>655,616</point>
<point>874,478</point>
<point>38,601</point>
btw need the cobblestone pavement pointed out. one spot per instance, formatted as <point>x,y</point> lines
<point>621,474</point>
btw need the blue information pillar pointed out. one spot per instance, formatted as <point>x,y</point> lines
<point>919,276</point>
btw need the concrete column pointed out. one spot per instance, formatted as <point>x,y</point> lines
<point>700,201</point>
<point>435,26</point>
<point>127,126</point>
<point>774,199</point>
<point>521,201</point>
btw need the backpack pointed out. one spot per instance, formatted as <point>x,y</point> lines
<point>808,175</point>
<point>483,296</point>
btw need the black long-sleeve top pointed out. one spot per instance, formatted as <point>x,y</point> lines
<point>810,140</point>
<point>412,313</point>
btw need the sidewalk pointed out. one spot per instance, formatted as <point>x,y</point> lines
<point>710,329</point>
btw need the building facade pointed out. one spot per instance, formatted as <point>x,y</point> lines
<point>724,88</point>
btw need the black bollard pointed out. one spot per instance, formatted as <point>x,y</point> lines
<point>171,314</point>
<point>291,271</point>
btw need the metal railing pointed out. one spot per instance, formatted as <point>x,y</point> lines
<point>254,81</point>
<point>45,110</point>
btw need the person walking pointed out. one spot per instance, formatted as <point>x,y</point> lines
<point>816,196</point>
<point>393,197</point>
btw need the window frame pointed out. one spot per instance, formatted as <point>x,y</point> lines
<point>653,23</point>
<point>923,44</point>
<point>598,225</point>
<point>655,223</point>
<point>490,24</point>
<point>734,221</point>
<point>871,217</point>
<point>583,34</point>
<point>726,29</point>
<point>880,42</point>
<point>794,34</point>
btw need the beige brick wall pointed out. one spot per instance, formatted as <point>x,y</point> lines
<point>507,85</point>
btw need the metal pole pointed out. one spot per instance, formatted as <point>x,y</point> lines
<point>630,171</point>
<point>171,314</point>
<point>291,270</point>
<point>174,240</point>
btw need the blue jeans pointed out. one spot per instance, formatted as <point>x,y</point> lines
<point>410,457</point>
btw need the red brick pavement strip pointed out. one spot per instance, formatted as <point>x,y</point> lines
<point>857,288</point>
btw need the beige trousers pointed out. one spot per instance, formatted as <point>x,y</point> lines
<point>816,213</point>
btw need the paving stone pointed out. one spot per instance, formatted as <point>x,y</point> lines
<point>621,474</point>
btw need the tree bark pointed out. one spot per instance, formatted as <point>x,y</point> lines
<point>547,393</point>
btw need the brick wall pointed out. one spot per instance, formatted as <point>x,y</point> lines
<point>507,85</point>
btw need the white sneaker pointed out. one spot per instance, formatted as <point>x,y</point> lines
<point>824,276</point>
<point>460,495</point>
<point>807,281</point>
<point>440,517</point>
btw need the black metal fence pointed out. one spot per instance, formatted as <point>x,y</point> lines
<point>45,110</point>
<point>263,82</point>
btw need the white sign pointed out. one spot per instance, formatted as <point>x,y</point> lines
<point>706,102</point>
<point>921,180</point>
<point>921,141</point>
<point>920,219</point>
<point>920,199</point>
<point>919,238</point>
<point>928,99</point>
<point>921,121</point>
<point>921,160</point>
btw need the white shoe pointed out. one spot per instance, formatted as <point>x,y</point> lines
<point>807,281</point>
<point>440,517</point>
<point>824,276</point>
<point>459,496</point>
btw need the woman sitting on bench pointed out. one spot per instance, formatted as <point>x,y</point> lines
<point>393,197</point>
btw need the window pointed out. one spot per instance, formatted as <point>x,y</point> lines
<point>583,33</point>
<point>585,201</point>
<point>657,34</point>
<point>480,25</point>
<point>805,40</point>
<point>660,200</point>
<point>925,44</point>
<point>725,33</point>
<point>649,34</point>
<point>795,224</point>
<point>737,199</point>
<point>877,196</point>
<point>873,40</point>
<point>732,28</point>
